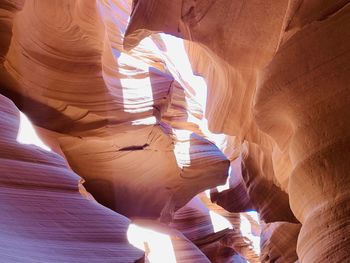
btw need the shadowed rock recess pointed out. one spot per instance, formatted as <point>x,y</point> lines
<point>177,131</point>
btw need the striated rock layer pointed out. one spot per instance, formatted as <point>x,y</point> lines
<point>230,60</point>
<point>280,71</point>
<point>278,242</point>
<point>313,104</point>
<point>91,108</point>
<point>109,94</point>
<point>100,106</point>
<point>212,233</point>
<point>44,218</point>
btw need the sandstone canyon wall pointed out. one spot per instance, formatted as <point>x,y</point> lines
<point>107,92</point>
<point>296,55</point>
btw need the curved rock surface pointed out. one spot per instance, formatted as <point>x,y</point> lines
<point>44,218</point>
<point>231,66</point>
<point>211,232</point>
<point>132,110</point>
<point>246,230</point>
<point>288,71</point>
<point>312,101</point>
<point>108,108</point>
<point>278,242</point>
<point>252,185</point>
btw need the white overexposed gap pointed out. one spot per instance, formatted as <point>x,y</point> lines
<point>179,65</point>
<point>182,147</point>
<point>219,222</point>
<point>27,134</point>
<point>137,92</point>
<point>247,229</point>
<point>157,246</point>
<point>225,186</point>
<point>178,56</point>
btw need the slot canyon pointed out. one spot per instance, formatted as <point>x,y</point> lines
<point>175,131</point>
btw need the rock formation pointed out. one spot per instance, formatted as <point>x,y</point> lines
<point>280,56</point>
<point>121,105</point>
<point>108,109</point>
<point>44,218</point>
<point>278,241</point>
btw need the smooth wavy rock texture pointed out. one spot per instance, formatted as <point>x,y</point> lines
<point>251,177</point>
<point>44,218</point>
<point>215,232</point>
<point>279,74</point>
<point>108,108</point>
<point>313,105</point>
<point>278,241</point>
<point>230,66</point>
<point>154,102</point>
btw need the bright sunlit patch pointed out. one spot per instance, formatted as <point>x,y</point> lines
<point>219,139</point>
<point>27,135</point>
<point>179,64</point>
<point>130,61</point>
<point>219,222</point>
<point>247,230</point>
<point>200,91</point>
<point>178,60</point>
<point>157,246</point>
<point>182,147</point>
<point>145,121</point>
<point>137,92</point>
<point>226,186</point>
<point>254,215</point>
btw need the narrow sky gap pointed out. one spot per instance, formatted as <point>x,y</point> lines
<point>27,134</point>
<point>178,63</point>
